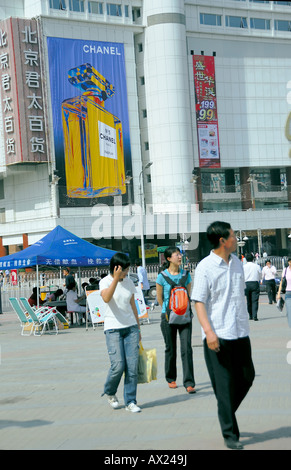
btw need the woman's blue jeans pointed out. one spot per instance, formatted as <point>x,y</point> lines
<point>123,350</point>
<point>288,307</point>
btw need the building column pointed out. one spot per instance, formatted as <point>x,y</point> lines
<point>25,240</point>
<point>168,104</point>
<point>229,181</point>
<point>2,248</point>
<point>288,179</point>
<point>245,188</point>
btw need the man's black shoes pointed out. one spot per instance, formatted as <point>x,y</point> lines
<point>232,444</point>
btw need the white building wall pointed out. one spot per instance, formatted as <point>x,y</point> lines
<point>251,85</point>
<point>11,8</point>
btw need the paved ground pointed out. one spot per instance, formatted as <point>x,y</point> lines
<point>50,395</point>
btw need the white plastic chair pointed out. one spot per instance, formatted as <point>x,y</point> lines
<point>26,322</point>
<point>42,318</point>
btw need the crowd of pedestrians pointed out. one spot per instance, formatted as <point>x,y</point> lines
<point>226,296</point>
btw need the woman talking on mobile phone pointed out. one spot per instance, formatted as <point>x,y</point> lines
<point>173,271</point>
<point>122,330</point>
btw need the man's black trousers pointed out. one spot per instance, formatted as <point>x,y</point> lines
<point>271,290</point>
<point>252,292</point>
<point>231,372</point>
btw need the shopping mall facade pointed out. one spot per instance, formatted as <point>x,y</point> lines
<point>168,112</point>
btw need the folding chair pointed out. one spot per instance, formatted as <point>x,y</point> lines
<point>26,322</point>
<point>62,319</point>
<point>42,318</point>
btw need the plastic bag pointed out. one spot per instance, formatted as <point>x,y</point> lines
<point>147,365</point>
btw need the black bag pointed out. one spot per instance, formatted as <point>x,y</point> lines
<point>284,284</point>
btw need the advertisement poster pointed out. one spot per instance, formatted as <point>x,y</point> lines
<point>90,120</point>
<point>21,82</point>
<point>206,111</point>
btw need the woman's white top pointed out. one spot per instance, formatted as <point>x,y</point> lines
<point>118,312</point>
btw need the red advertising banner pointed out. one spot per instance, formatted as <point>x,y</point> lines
<point>206,111</point>
<point>13,277</point>
<point>22,94</point>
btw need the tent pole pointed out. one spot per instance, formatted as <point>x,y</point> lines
<point>80,284</point>
<point>37,286</point>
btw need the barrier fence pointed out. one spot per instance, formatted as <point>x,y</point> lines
<point>54,280</point>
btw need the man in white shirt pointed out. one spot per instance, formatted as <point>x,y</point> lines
<point>253,276</point>
<point>268,273</point>
<point>143,280</point>
<point>218,293</point>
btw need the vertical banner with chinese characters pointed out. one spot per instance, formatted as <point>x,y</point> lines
<point>206,111</point>
<point>22,92</point>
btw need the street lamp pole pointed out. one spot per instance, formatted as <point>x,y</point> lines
<point>241,240</point>
<point>141,193</point>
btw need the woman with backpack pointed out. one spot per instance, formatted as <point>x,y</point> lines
<point>174,321</point>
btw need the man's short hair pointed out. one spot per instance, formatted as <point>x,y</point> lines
<point>216,231</point>
<point>249,257</point>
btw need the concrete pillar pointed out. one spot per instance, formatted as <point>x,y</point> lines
<point>2,248</point>
<point>25,240</point>
<point>288,178</point>
<point>168,103</point>
<point>245,188</point>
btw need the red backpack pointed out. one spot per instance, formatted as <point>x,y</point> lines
<point>179,306</point>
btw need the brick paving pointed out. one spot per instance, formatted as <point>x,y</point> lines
<point>51,386</point>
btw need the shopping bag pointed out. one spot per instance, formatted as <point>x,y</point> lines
<point>147,365</point>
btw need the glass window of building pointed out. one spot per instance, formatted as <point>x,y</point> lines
<point>95,7</point>
<point>76,5</point>
<point>126,11</point>
<point>136,13</point>
<point>282,25</point>
<point>260,23</point>
<point>58,4</point>
<point>259,1</point>
<point>1,189</point>
<point>236,22</point>
<point>282,3</point>
<point>113,9</point>
<point>211,20</point>
<point>2,215</point>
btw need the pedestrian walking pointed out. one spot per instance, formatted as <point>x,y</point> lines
<point>172,270</point>
<point>218,293</point>
<point>268,274</point>
<point>253,274</point>
<point>122,330</point>
<point>286,274</point>
<point>143,280</point>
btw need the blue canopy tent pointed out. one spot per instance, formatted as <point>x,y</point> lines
<point>58,248</point>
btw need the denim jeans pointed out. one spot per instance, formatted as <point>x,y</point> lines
<point>122,346</point>
<point>288,307</point>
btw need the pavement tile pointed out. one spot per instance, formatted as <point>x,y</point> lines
<point>51,386</point>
